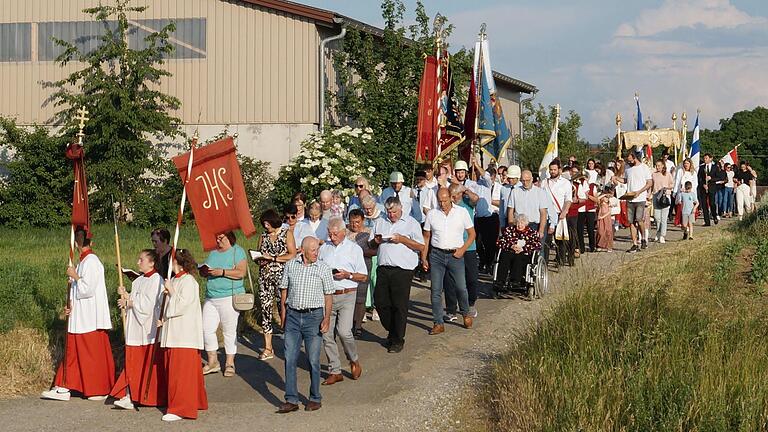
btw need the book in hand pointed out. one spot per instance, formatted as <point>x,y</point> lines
<point>255,255</point>
<point>131,274</point>
<point>628,196</point>
<point>203,269</point>
<point>386,237</point>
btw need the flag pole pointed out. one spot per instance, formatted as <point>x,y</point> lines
<point>618,135</point>
<point>438,57</point>
<point>684,136</point>
<point>478,86</point>
<point>179,217</point>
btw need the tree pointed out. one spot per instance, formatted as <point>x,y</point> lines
<point>748,128</point>
<point>380,85</point>
<point>537,128</point>
<point>119,87</point>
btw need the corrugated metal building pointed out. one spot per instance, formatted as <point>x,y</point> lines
<point>251,64</point>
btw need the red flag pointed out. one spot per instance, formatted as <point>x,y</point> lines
<point>216,191</point>
<point>470,116</point>
<point>649,153</point>
<point>427,124</point>
<point>732,157</point>
<point>80,214</point>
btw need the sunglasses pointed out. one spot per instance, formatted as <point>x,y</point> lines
<point>359,186</point>
<point>290,217</point>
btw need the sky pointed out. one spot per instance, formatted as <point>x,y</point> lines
<point>591,56</point>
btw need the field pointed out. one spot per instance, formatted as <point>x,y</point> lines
<point>33,292</point>
<point>680,345</point>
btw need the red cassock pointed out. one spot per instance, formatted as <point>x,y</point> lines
<point>622,216</point>
<point>134,376</point>
<point>186,387</point>
<point>90,368</point>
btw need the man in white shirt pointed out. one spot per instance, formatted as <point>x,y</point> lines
<point>87,366</point>
<point>346,260</point>
<point>423,197</point>
<point>559,192</point>
<point>396,188</point>
<point>444,232</point>
<point>638,179</point>
<point>531,201</point>
<point>429,173</point>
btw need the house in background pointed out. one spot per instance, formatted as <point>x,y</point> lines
<point>253,66</point>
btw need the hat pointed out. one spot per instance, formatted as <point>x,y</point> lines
<point>513,171</point>
<point>460,165</point>
<point>396,177</point>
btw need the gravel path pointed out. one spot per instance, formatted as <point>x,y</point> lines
<point>414,390</point>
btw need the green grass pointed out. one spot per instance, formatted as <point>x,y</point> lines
<point>676,347</point>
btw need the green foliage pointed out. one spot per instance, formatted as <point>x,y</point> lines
<point>380,79</point>
<point>118,85</point>
<point>327,160</point>
<point>258,183</point>
<point>537,128</point>
<point>748,128</point>
<point>38,186</point>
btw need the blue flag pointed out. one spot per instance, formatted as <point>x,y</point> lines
<point>492,129</point>
<point>640,125</point>
<point>695,145</point>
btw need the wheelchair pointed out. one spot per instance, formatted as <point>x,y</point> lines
<point>536,282</point>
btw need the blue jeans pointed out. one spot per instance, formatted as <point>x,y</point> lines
<point>442,264</point>
<point>302,326</point>
<point>728,200</point>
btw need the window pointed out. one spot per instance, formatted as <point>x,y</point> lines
<point>15,42</point>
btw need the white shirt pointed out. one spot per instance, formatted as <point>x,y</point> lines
<point>558,191</point>
<point>422,198</point>
<point>636,177</point>
<point>591,175</point>
<point>404,195</point>
<point>346,256</point>
<point>607,177</point>
<point>483,204</point>
<point>448,229</point>
<point>670,166</point>
<point>141,318</point>
<point>495,196</point>
<point>183,325</point>
<point>682,176</point>
<point>432,184</point>
<point>397,254</point>
<point>729,174</point>
<point>529,202</point>
<point>88,297</point>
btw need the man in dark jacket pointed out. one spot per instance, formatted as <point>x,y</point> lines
<point>709,176</point>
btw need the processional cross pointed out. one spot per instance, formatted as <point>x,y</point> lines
<point>82,117</point>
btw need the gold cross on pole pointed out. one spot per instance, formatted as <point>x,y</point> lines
<point>82,117</point>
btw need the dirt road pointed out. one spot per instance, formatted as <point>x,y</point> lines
<point>413,390</point>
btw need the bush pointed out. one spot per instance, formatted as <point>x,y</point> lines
<point>37,189</point>
<point>327,160</point>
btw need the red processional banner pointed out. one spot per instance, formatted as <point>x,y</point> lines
<point>80,213</point>
<point>470,118</point>
<point>216,191</point>
<point>426,150</point>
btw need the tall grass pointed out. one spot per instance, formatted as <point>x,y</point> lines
<point>677,343</point>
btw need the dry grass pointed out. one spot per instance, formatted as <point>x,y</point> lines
<point>26,359</point>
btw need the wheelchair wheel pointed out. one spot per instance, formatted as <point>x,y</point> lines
<point>541,282</point>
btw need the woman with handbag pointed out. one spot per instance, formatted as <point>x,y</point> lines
<point>224,269</point>
<point>182,340</point>
<point>277,247</point>
<point>662,192</point>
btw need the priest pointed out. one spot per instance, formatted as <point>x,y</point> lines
<point>87,367</point>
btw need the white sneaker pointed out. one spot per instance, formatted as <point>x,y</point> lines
<point>662,240</point>
<point>124,403</point>
<point>375,316</point>
<point>97,398</point>
<point>56,393</point>
<point>656,239</point>
<point>473,312</point>
<point>171,417</point>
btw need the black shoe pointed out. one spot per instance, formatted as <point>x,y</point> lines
<point>633,249</point>
<point>357,333</point>
<point>395,348</point>
<point>685,235</point>
<point>707,224</point>
<point>717,220</point>
<point>643,244</point>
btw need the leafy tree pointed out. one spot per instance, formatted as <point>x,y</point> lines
<point>38,186</point>
<point>380,84</point>
<point>748,128</point>
<point>537,128</point>
<point>118,85</point>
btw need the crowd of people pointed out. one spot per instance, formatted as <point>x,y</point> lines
<point>327,266</point>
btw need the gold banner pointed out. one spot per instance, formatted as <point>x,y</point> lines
<point>656,137</point>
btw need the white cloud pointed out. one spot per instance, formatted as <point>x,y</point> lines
<point>674,14</point>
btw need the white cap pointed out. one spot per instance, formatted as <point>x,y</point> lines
<point>396,177</point>
<point>513,171</point>
<point>460,165</point>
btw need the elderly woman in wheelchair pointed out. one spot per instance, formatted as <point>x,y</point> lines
<point>518,246</point>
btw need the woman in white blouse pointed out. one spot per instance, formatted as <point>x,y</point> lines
<point>182,339</point>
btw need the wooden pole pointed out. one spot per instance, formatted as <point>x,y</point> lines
<point>179,216</point>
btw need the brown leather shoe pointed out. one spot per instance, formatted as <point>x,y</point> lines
<point>468,322</point>
<point>333,379</point>
<point>355,369</point>
<point>437,329</point>
<point>287,407</point>
<point>313,406</point>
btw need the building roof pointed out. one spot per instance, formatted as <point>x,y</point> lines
<point>330,18</point>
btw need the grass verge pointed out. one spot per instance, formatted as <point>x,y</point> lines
<point>680,345</point>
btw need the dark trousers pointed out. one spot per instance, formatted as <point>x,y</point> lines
<point>487,229</point>
<point>362,294</point>
<point>511,266</point>
<point>391,296</point>
<point>471,275</point>
<point>708,202</point>
<point>586,220</point>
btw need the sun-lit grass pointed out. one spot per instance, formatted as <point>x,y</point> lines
<point>675,343</point>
